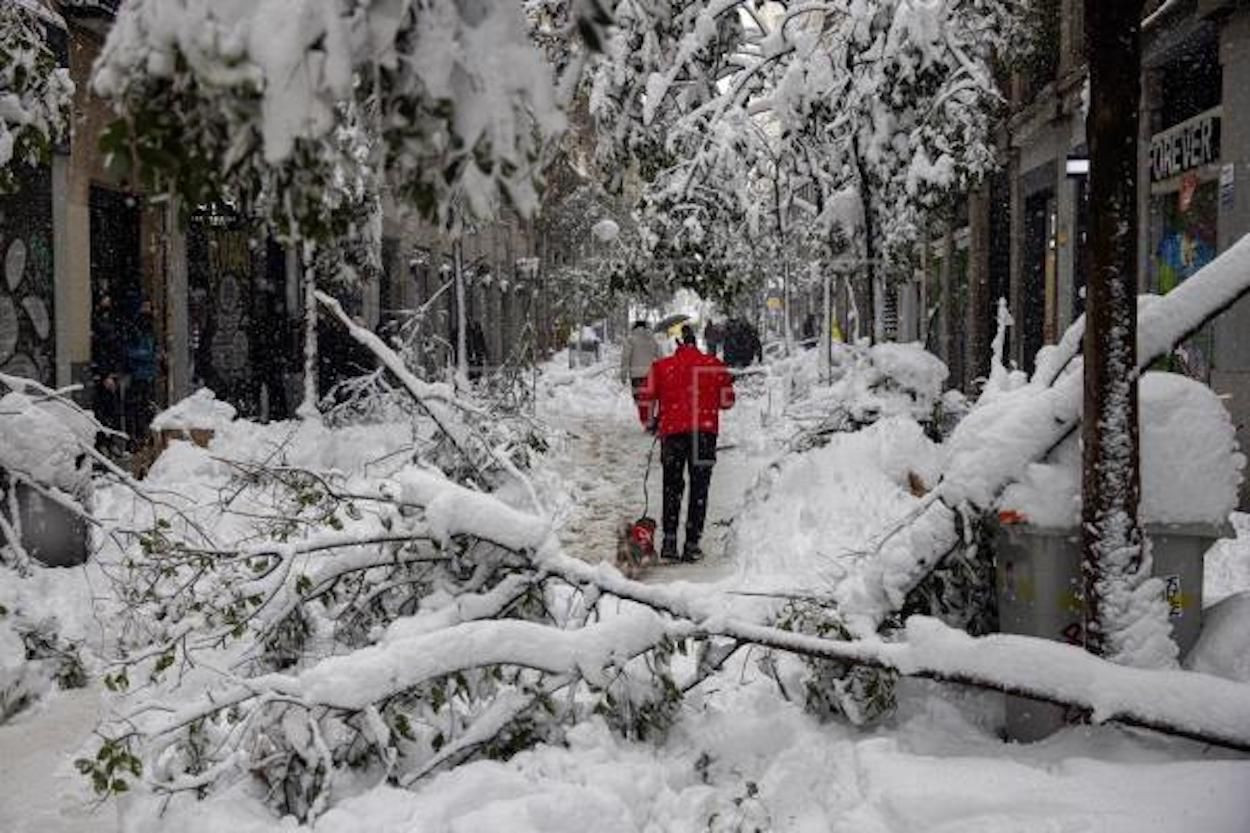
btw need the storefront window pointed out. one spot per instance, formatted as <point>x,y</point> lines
<point>1183,240</point>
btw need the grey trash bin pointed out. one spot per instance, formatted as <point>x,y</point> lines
<point>50,533</point>
<point>1039,590</point>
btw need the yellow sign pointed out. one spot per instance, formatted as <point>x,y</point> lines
<point>774,303</point>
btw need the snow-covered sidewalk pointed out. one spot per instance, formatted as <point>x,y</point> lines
<point>42,792</point>
<point>742,754</point>
<point>601,461</point>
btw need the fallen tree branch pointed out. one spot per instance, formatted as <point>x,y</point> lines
<point>994,444</point>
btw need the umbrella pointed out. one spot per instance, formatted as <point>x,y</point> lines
<point>669,321</point>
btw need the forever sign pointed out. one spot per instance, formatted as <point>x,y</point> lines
<point>1190,144</point>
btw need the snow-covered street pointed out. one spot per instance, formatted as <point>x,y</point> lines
<point>624,416</point>
<point>742,754</point>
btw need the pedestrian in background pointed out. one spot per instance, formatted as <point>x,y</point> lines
<point>712,337</point>
<point>141,370</point>
<point>639,352</point>
<point>107,367</point>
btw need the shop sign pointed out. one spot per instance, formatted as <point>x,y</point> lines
<point>1189,145</point>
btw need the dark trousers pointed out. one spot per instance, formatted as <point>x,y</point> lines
<point>680,453</point>
<point>140,409</point>
<point>644,407</point>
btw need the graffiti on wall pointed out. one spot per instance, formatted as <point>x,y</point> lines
<point>237,320</point>
<point>27,340</point>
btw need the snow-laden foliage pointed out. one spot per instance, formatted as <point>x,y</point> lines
<point>35,94</point>
<point>249,94</point>
<point>768,114</point>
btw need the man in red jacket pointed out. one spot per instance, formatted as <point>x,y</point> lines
<point>691,388</point>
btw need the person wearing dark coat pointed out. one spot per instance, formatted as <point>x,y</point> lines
<point>141,369</point>
<point>712,337</point>
<point>107,364</point>
<point>742,344</point>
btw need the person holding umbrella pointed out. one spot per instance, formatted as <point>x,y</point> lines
<point>690,389</point>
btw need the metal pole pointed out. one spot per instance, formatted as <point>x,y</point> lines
<point>827,352</point>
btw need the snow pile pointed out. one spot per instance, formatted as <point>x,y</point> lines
<point>201,409</point>
<point>1227,564</point>
<point>822,510</point>
<point>585,392</point>
<point>868,384</point>
<point>1223,649</point>
<point>1191,468</point>
<point>44,442</point>
<point>21,681</point>
<point>909,368</point>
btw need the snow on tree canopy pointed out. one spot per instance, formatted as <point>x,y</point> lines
<point>462,100</point>
<point>35,93</point>
<point>1191,467</point>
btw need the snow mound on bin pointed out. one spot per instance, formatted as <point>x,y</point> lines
<point>1223,648</point>
<point>44,441</point>
<point>201,409</point>
<point>1191,466</point>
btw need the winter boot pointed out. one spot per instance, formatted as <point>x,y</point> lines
<point>692,552</point>
<point>669,551</point>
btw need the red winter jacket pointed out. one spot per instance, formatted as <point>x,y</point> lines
<point>691,388</point>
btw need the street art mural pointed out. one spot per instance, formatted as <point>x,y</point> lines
<point>27,341</point>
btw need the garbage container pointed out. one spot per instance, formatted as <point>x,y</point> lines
<point>1038,586</point>
<point>1040,591</point>
<point>51,533</point>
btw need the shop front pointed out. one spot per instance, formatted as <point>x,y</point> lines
<point>1184,218</point>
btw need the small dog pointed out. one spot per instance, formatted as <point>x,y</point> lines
<point>635,546</point>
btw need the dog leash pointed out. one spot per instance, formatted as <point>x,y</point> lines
<point>646,498</point>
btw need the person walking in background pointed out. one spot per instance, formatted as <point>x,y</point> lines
<point>690,389</point>
<point>712,337</point>
<point>639,352</point>
<point>141,359</point>
<point>742,344</point>
<point>107,366</point>
<point>808,336</point>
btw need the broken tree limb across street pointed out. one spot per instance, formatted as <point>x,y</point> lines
<point>352,478</point>
<point>996,441</point>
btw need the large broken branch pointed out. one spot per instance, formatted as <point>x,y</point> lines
<point>999,438</point>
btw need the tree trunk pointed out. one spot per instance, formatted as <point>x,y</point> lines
<point>926,277</point>
<point>980,305</point>
<point>462,318</point>
<point>787,331</point>
<point>870,245</point>
<point>308,408</point>
<point>1113,560</point>
<point>826,329</point>
<point>946,292</point>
